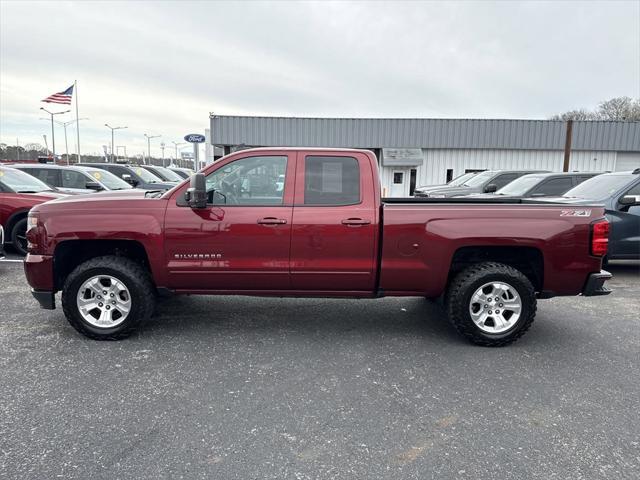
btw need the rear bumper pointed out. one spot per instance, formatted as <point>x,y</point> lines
<point>47,300</point>
<point>595,284</point>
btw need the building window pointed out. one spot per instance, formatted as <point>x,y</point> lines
<point>397,178</point>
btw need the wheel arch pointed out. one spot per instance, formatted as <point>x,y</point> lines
<point>528,260</point>
<point>71,253</point>
<point>14,218</point>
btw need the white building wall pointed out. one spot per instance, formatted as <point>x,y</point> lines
<point>433,171</point>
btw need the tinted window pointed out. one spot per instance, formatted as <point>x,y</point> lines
<point>73,179</point>
<point>501,180</point>
<point>145,175</point>
<point>331,181</point>
<point>249,181</point>
<point>634,190</point>
<point>555,186</point>
<point>520,186</point>
<point>47,175</point>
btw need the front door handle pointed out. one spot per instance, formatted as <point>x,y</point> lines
<point>355,221</point>
<point>271,221</point>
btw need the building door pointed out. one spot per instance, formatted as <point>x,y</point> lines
<point>399,184</point>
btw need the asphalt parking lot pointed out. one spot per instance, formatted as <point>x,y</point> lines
<point>244,388</point>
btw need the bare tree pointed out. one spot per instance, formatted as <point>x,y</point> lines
<point>619,108</point>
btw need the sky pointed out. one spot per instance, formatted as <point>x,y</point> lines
<point>160,67</point>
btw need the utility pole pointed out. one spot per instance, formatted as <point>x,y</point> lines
<point>113,152</point>
<point>53,136</point>
<point>567,146</point>
<point>149,137</point>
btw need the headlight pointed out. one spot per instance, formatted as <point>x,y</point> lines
<point>32,233</point>
<point>32,221</point>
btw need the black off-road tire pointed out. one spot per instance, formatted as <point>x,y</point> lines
<point>137,280</point>
<point>18,233</point>
<point>463,286</point>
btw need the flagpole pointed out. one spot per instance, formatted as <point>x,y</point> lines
<point>75,90</point>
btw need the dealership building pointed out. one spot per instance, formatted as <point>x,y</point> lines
<point>416,152</point>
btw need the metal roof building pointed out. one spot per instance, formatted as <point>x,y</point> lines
<point>424,151</point>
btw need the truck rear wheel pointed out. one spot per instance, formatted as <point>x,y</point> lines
<point>106,298</point>
<point>491,304</point>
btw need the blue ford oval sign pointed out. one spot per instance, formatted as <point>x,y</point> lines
<point>194,138</point>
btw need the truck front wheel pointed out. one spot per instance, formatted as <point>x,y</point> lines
<point>106,298</point>
<point>491,304</point>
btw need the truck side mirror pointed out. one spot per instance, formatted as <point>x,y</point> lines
<point>630,200</point>
<point>93,186</point>
<point>129,179</point>
<point>492,187</point>
<point>196,194</point>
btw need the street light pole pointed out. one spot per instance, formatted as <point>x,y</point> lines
<point>175,144</point>
<point>113,155</point>
<point>149,137</point>
<point>65,125</point>
<point>53,137</point>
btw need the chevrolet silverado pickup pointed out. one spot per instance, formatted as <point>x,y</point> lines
<point>309,223</point>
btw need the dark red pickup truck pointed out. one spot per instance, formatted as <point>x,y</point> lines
<point>309,222</point>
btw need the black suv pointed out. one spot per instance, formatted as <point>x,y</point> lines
<point>488,181</point>
<point>135,175</point>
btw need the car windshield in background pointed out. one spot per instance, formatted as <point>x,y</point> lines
<point>146,175</point>
<point>169,175</point>
<point>598,188</point>
<point>478,179</point>
<point>456,182</point>
<point>109,180</point>
<point>21,182</point>
<point>519,186</point>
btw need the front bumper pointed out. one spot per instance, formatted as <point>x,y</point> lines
<point>595,284</point>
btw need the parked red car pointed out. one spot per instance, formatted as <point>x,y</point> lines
<point>19,192</point>
<point>310,222</point>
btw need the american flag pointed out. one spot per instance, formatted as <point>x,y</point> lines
<point>62,97</point>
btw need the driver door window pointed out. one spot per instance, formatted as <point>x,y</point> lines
<point>251,181</point>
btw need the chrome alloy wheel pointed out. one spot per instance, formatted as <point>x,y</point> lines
<point>495,307</point>
<point>104,301</point>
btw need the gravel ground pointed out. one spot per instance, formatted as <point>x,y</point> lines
<point>244,388</point>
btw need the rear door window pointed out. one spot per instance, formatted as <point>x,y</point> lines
<point>331,181</point>
<point>47,175</point>
<point>555,186</point>
<point>501,180</point>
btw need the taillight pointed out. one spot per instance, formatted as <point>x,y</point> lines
<point>599,238</point>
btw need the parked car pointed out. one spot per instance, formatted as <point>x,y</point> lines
<point>224,233</point>
<point>74,179</point>
<point>1,242</point>
<point>134,175</point>
<point>19,192</point>
<point>619,192</point>
<point>183,172</point>
<point>456,182</point>
<point>163,173</point>
<point>540,185</point>
<point>488,181</point>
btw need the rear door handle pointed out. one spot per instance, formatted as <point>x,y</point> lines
<point>355,221</point>
<point>271,221</point>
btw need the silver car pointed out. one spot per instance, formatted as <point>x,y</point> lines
<point>74,179</point>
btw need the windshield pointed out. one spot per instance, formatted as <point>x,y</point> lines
<point>21,182</point>
<point>519,186</point>
<point>456,182</point>
<point>109,180</point>
<point>146,175</point>
<point>598,188</point>
<point>479,179</point>
<point>167,174</point>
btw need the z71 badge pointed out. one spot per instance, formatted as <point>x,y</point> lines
<point>575,213</point>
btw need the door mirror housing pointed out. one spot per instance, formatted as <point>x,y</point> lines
<point>93,186</point>
<point>196,194</point>
<point>130,180</point>
<point>630,200</point>
<point>491,188</point>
